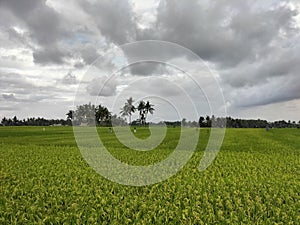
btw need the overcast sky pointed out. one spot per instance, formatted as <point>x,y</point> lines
<point>251,48</point>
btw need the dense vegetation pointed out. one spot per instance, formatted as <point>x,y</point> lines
<point>254,180</point>
<point>106,121</point>
<point>90,115</point>
<point>34,122</point>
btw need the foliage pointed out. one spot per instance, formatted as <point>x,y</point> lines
<point>89,114</point>
<point>34,122</point>
<point>141,109</point>
<point>103,116</point>
<point>128,109</point>
<point>144,109</point>
<point>84,114</point>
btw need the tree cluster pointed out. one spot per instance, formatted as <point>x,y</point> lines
<point>230,122</point>
<point>246,123</point>
<point>34,122</point>
<point>144,108</point>
<point>88,114</point>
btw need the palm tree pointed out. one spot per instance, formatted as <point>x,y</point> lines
<point>128,109</point>
<point>208,121</point>
<point>201,121</point>
<point>148,109</point>
<point>124,111</point>
<point>141,109</point>
<point>70,114</point>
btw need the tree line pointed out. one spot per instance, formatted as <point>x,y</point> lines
<point>107,121</point>
<point>89,114</point>
<point>14,121</point>
<point>246,123</point>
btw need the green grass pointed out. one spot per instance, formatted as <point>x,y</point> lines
<point>255,179</point>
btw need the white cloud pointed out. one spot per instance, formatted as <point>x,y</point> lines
<point>253,46</point>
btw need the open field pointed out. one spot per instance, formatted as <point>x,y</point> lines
<point>255,179</point>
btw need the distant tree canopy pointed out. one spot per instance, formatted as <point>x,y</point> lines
<point>34,122</point>
<point>244,123</point>
<point>144,108</point>
<point>128,109</point>
<point>89,114</point>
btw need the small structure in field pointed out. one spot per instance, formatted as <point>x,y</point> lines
<point>56,125</point>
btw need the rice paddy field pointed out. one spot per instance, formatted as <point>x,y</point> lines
<point>255,179</point>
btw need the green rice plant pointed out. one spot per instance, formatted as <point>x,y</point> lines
<point>255,179</point>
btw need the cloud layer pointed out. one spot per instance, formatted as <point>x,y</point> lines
<point>252,45</point>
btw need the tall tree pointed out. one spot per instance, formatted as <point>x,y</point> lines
<point>208,121</point>
<point>128,109</point>
<point>103,116</point>
<point>85,114</point>
<point>201,121</point>
<point>15,121</point>
<point>141,109</point>
<point>148,109</point>
<point>4,121</point>
<point>70,114</point>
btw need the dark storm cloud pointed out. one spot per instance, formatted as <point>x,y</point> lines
<point>16,88</point>
<point>280,63</point>
<point>89,54</point>
<point>79,65</point>
<point>275,91</point>
<point>69,79</point>
<point>15,82</point>
<point>49,55</point>
<point>8,108</point>
<point>149,50</point>
<point>114,19</point>
<point>146,69</point>
<point>32,98</point>
<point>44,26</point>
<point>9,97</point>
<point>224,32</point>
<point>250,43</point>
<point>147,57</point>
<point>13,38</point>
<point>43,22</point>
<point>102,86</point>
<point>159,87</point>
